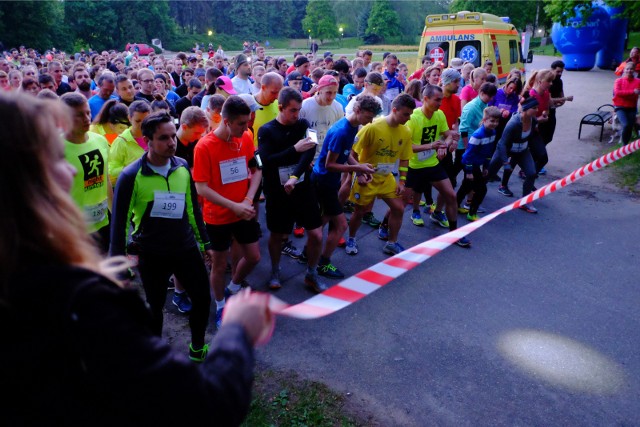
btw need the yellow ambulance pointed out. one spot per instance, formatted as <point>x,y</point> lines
<point>474,37</point>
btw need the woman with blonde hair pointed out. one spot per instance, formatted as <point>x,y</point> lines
<point>76,346</point>
<point>538,87</point>
<point>477,77</point>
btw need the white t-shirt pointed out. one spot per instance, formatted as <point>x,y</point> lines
<point>320,118</point>
<point>241,85</point>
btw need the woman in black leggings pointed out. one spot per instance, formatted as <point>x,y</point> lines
<point>514,144</point>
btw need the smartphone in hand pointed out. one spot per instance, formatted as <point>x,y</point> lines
<point>313,135</point>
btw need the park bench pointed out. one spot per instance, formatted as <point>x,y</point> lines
<point>598,118</point>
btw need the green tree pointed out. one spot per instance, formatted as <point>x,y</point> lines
<point>522,13</point>
<point>562,10</point>
<point>320,21</point>
<point>383,21</point>
<point>34,24</point>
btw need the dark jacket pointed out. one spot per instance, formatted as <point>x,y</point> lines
<point>77,350</point>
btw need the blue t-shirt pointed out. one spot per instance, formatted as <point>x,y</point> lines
<point>339,139</point>
<point>350,89</point>
<point>96,103</point>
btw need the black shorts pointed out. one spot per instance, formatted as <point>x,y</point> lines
<point>301,208</point>
<point>243,231</point>
<point>420,179</point>
<point>327,198</point>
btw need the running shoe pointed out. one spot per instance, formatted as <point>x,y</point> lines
<point>504,190</point>
<point>290,250</point>
<point>198,355</point>
<point>392,248</point>
<point>298,231</point>
<point>331,271</point>
<point>274,282</point>
<point>464,243</point>
<point>473,217</point>
<point>182,301</point>
<point>543,171</point>
<point>342,242</point>
<point>463,209</point>
<point>352,246</point>
<point>429,209</point>
<point>417,220</point>
<point>219,317</point>
<point>234,290</point>
<point>383,233</point>
<point>467,206</point>
<point>371,220</point>
<point>303,256</point>
<point>528,208</point>
<point>313,282</point>
<point>423,203</point>
<point>440,218</point>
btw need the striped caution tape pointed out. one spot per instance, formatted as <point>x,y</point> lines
<point>373,278</point>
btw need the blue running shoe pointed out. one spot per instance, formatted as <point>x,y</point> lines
<point>182,301</point>
<point>219,318</point>
<point>383,233</point>
<point>440,218</point>
<point>392,248</point>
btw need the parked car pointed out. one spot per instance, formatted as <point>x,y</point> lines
<point>142,48</point>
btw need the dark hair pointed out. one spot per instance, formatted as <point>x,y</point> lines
<point>46,78</point>
<point>360,72</point>
<point>430,90</point>
<point>139,106</point>
<point>121,78</point>
<point>195,83</point>
<point>106,76</point>
<point>414,88</point>
<point>112,112</point>
<point>73,99</point>
<point>488,89</point>
<point>367,103</point>
<point>341,65</point>
<point>233,107</point>
<point>404,100</point>
<point>516,81</point>
<point>216,102</point>
<point>153,121</point>
<point>288,94</point>
<point>374,78</point>
<point>187,70</point>
<point>491,78</point>
<point>160,104</point>
<point>367,52</point>
<point>28,81</point>
<point>492,112</point>
<point>557,64</point>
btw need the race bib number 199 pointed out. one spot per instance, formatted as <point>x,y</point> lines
<point>167,205</point>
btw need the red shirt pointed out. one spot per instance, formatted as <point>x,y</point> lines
<point>451,108</point>
<point>210,163</point>
<point>543,98</point>
<point>623,92</point>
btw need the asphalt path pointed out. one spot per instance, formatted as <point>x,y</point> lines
<point>536,324</point>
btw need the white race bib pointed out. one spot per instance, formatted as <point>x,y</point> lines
<point>286,171</point>
<point>424,155</point>
<point>384,168</point>
<point>233,170</point>
<point>96,213</point>
<point>167,205</point>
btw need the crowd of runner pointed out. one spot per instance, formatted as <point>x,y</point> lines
<point>172,156</point>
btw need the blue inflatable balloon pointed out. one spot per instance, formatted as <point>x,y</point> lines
<point>612,52</point>
<point>579,42</point>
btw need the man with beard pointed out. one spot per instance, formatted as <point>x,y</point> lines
<point>83,82</point>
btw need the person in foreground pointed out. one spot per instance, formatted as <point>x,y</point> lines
<point>78,348</point>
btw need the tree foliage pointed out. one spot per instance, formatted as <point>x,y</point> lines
<point>522,13</point>
<point>33,23</point>
<point>562,10</point>
<point>383,21</point>
<point>320,20</point>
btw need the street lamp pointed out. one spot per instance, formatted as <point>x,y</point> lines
<point>210,33</point>
<point>341,35</point>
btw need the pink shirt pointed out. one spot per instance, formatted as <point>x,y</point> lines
<point>543,100</point>
<point>468,93</point>
<point>623,92</point>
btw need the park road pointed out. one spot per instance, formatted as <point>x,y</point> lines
<point>536,324</point>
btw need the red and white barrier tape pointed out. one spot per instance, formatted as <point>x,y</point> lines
<point>373,278</point>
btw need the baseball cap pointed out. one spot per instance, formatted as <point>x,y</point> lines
<point>327,81</point>
<point>251,102</point>
<point>457,63</point>
<point>192,58</point>
<point>449,75</point>
<point>225,84</point>
<point>300,60</point>
<point>294,75</point>
<point>327,53</point>
<point>199,72</point>
<point>241,59</point>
